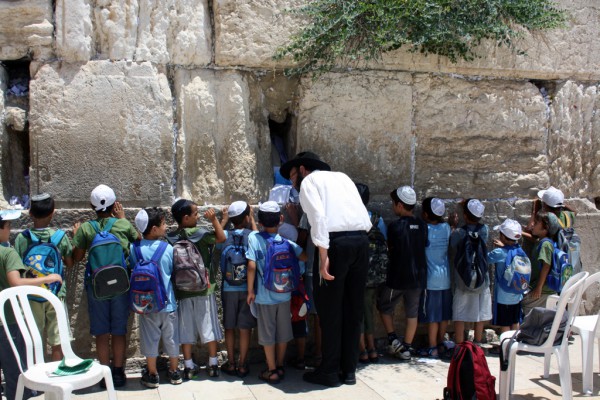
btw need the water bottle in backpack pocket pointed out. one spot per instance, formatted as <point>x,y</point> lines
<point>147,292</point>
<point>470,260</point>
<point>570,243</point>
<point>189,272</point>
<point>234,264</point>
<point>43,259</point>
<point>106,267</point>
<point>282,271</point>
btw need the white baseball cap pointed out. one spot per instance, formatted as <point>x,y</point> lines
<point>407,195</point>
<point>270,206</point>
<point>552,197</point>
<point>510,228</point>
<point>141,220</point>
<point>438,207</point>
<point>9,215</point>
<point>237,208</point>
<point>476,208</point>
<point>102,197</point>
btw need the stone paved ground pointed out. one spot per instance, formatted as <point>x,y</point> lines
<point>388,379</point>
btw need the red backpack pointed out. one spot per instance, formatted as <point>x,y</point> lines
<point>469,376</point>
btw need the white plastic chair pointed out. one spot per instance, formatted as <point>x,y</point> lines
<point>571,295</point>
<point>35,374</point>
<point>588,327</point>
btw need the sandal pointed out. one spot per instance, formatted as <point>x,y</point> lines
<point>280,371</point>
<point>363,357</point>
<point>229,368</point>
<point>429,352</point>
<point>270,376</point>
<point>243,370</point>
<point>373,356</point>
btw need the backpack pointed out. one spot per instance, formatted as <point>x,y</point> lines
<point>147,293</point>
<point>560,270</point>
<point>570,243</point>
<point>43,259</point>
<point>107,269</point>
<point>282,271</point>
<point>517,273</point>
<point>378,254</point>
<point>189,272</point>
<point>299,304</point>
<point>234,264</point>
<point>469,376</point>
<point>471,259</point>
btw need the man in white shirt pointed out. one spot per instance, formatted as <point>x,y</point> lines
<point>339,225</point>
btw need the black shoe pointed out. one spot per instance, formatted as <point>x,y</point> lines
<point>175,377</point>
<point>150,381</point>
<point>348,379</point>
<point>119,377</point>
<point>318,378</point>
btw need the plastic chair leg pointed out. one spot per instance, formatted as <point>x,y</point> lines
<point>504,378</point>
<point>587,360</point>
<point>564,371</point>
<point>20,388</point>
<point>110,389</point>
<point>547,359</point>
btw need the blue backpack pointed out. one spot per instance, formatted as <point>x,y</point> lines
<point>282,271</point>
<point>234,264</point>
<point>43,259</point>
<point>517,273</point>
<point>560,270</point>
<point>106,266</point>
<point>147,292</point>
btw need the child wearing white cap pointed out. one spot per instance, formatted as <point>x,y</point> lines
<point>108,318</point>
<point>407,271</point>
<point>435,307</point>
<point>470,305</point>
<point>236,311</point>
<point>272,308</point>
<point>507,300</point>
<point>161,325</point>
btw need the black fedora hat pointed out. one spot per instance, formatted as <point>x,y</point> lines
<point>306,158</point>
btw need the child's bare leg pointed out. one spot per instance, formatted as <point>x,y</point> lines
<point>270,356</point>
<point>361,343</point>
<point>281,347</point>
<point>173,363</point>
<point>300,348</point>
<point>411,329</point>
<point>432,333</point>
<point>388,322</point>
<point>244,344</point>
<point>118,348</point>
<point>57,353</point>
<point>103,348</point>
<point>187,351</point>
<point>442,332</point>
<point>151,361</point>
<point>230,345</point>
<point>479,331</point>
<point>459,331</point>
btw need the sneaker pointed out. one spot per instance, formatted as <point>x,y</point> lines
<point>119,377</point>
<point>394,347</point>
<point>405,352</point>
<point>190,373</point>
<point>150,380</point>
<point>175,377</point>
<point>213,371</point>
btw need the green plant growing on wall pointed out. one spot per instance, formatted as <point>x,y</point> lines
<point>347,33</point>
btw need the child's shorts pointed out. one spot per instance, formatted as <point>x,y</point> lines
<point>198,318</point>
<point>274,323</point>
<point>236,311</point>
<point>45,318</point>
<point>472,307</point>
<point>369,318</point>
<point>387,300</point>
<point>155,326</point>
<point>108,316</point>
<point>435,306</point>
<point>300,329</point>
<point>506,314</point>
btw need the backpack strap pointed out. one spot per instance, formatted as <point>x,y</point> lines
<point>30,235</point>
<point>162,246</point>
<point>57,237</point>
<point>109,224</point>
<point>568,220</point>
<point>138,251</point>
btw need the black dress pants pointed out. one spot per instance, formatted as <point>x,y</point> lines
<point>339,302</point>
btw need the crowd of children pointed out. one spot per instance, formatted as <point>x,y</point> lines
<point>436,267</point>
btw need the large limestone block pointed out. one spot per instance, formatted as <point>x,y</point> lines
<point>248,32</point>
<point>102,122</point>
<point>25,29</point>
<point>3,134</point>
<point>574,139</point>
<point>74,30</point>
<point>479,138</point>
<point>223,148</point>
<point>361,125</point>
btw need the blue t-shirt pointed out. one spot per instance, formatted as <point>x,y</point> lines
<point>436,252</point>
<point>498,257</point>
<point>257,250</point>
<point>226,286</point>
<point>147,248</point>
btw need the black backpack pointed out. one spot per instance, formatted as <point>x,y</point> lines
<point>470,260</point>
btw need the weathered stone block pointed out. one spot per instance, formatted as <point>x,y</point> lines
<point>248,32</point>
<point>574,139</point>
<point>25,29</point>
<point>479,138</point>
<point>223,147</point>
<point>74,30</point>
<point>102,122</point>
<point>361,125</point>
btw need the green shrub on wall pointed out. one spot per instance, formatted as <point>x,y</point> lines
<point>350,32</point>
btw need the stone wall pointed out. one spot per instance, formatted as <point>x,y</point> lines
<point>170,98</point>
